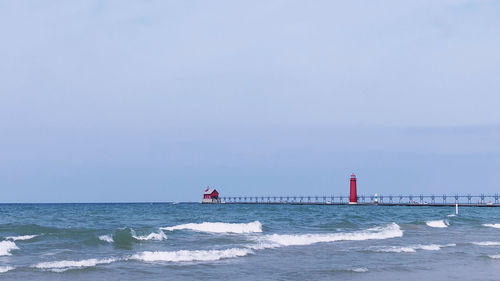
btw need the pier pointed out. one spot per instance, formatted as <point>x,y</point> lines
<point>481,200</point>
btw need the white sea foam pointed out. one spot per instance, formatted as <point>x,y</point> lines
<point>6,247</point>
<point>359,269</point>
<point>22,237</point>
<point>152,236</point>
<point>494,225</point>
<point>4,269</point>
<point>438,223</point>
<point>187,256</point>
<point>278,240</point>
<point>60,266</point>
<point>494,257</point>
<point>487,243</point>
<point>452,215</point>
<point>106,238</point>
<point>412,248</point>
<point>219,227</point>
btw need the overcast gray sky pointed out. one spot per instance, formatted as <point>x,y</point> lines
<point>153,100</point>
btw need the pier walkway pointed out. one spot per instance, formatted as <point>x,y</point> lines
<point>481,200</point>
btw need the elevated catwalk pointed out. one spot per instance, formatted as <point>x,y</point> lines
<point>390,200</point>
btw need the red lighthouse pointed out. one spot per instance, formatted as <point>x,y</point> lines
<point>353,198</point>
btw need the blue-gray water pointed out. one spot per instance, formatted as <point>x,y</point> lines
<point>247,242</point>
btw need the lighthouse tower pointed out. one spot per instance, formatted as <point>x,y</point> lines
<point>353,198</point>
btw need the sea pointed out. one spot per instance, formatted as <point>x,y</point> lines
<point>191,241</point>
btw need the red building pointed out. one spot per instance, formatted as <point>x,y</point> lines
<point>353,198</point>
<point>210,196</point>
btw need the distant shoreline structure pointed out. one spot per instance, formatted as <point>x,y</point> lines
<point>211,196</point>
<point>367,204</point>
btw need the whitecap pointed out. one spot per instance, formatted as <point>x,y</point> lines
<point>494,225</point>
<point>106,238</point>
<point>219,227</point>
<point>452,215</point>
<point>412,248</point>
<point>60,266</point>
<point>494,257</point>
<point>188,256</point>
<point>152,236</point>
<point>4,269</point>
<point>278,240</point>
<point>359,269</point>
<point>21,237</point>
<point>438,223</point>
<point>6,247</point>
<point>486,243</point>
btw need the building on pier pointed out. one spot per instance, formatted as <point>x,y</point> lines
<point>210,196</point>
<point>353,197</point>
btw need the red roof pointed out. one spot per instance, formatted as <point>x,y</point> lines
<point>211,191</point>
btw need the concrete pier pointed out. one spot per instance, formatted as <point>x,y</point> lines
<point>468,200</point>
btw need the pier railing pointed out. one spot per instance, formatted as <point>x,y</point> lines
<point>420,199</point>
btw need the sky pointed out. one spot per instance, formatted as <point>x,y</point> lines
<point>140,101</point>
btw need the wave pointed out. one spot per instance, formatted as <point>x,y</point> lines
<point>494,256</point>
<point>60,266</point>
<point>359,269</point>
<point>219,227</point>
<point>6,247</point>
<point>278,240</point>
<point>21,237</point>
<point>413,249</point>
<point>486,243</point>
<point>4,269</point>
<point>106,238</point>
<point>494,225</point>
<point>438,223</point>
<point>152,236</point>
<point>188,256</point>
<point>125,237</point>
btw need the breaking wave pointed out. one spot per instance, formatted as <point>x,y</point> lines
<point>187,256</point>
<point>486,243</point>
<point>152,236</point>
<point>60,266</point>
<point>6,247</point>
<point>359,269</point>
<point>413,249</point>
<point>438,223</point>
<point>4,269</point>
<point>125,237</point>
<point>106,238</point>
<point>494,257</point>
<point>278,240</point>
<point>22,237</point>
<point>219,227</point>
<point>494,225</point>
